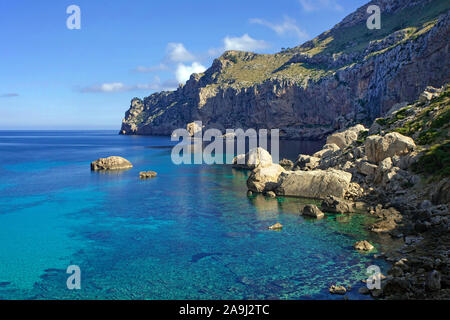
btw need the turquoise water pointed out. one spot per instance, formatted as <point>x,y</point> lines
<point>190,233</point>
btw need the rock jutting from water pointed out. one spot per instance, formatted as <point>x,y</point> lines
<point>111,163</point>
<point>363,246</point>
<point>147,175</point>
<point>312,211</point>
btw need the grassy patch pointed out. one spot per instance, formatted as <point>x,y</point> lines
<point>436,161</point>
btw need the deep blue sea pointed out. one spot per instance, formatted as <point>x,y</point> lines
<point>190,233</point>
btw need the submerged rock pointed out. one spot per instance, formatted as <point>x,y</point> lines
<point>317,184</point>
<point>276,226</point>
<point>312,211</point>
<point>147,174</point>
<point>111,163</point>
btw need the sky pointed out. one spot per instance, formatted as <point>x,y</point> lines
<point>56,78</point>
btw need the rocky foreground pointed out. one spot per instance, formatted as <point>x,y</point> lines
<point>398,172</point>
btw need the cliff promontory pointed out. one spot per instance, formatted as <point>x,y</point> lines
<point>345,76</point>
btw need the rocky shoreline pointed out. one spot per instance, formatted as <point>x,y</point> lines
<point>381,171</point>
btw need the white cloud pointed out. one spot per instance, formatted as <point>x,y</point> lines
<point>244,43</point>
<point>113,87</point>
<point>288,26</point>
<point>176,52</point>
<point>184,72</point>
<point>314,5</point>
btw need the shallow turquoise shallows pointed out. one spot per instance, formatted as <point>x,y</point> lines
<point>190,233</point>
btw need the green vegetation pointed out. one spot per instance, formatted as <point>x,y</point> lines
<point>362,136</point>
<point>436,161</point>
<point>355,39</point>
<point>244,69</point>
<point>432,124</point>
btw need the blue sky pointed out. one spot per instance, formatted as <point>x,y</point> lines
<point>55,78</point>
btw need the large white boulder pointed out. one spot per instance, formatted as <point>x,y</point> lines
<point>264,179</point>
<point>379,148</point>
<point>317,184</point>
<point>254,158</point>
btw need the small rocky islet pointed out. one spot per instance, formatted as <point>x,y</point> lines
<point>115,163</point>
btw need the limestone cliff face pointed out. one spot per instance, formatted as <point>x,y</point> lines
<point>344,76</point>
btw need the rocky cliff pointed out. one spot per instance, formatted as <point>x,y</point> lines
<point>347,75</point>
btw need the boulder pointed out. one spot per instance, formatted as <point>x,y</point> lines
<point>312,211</point>
<point>366,168</point>
<point>111,163</point>
<point>264,179</point>
<point>338,290</point>
<point>363,246</point>
<point>337,205</point>
<point>147,174</point>
<point>270,194</point>
<point>287,164</point>
<point>327,151</point>
<point>317,184</point>
<point>254,158</point>
<point>306,163</point>
<point>379,148</point>
<point>345,138</point>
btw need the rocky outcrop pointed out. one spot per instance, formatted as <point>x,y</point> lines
<point>193,128</point>
<point>317,184</point>
<point>312,211</point>
<point>265,178</point>
<point>312,90</point>
<point>111,163</point>
<point>338,290</point>
<point>363,246</point>
<point>392,144</point>
<point>147,174</point>
<point>336,205</point>
<point>306,163</point>
<point>345,138</point>
<point>287,164</point>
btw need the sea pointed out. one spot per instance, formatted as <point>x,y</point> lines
<point>190,233</point>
